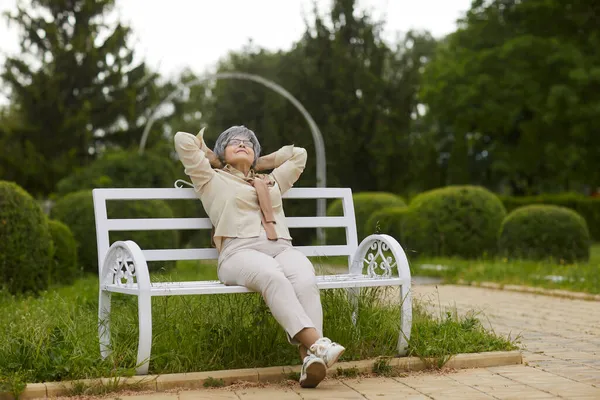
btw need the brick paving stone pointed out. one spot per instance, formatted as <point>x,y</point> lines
<point>152,396</point>
<point>383,388</point>
<point>267,393</point>
<point>207,394</point>
<point>560,336</point>
<point>329,389</point>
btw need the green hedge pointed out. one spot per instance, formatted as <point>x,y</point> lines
<point>365,204</point>
<point>64,268</point>
<point>542,232</point>
<point>25,243</point>
<point>456,221</point>
<point>121,169</point>
<point>587,207</point>
<point>402,223</point>
<point>76,210</point>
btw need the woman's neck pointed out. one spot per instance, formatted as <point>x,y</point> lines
<point>243,168</point>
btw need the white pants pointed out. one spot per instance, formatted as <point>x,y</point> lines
<point>283,275</point>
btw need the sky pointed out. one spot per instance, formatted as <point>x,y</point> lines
<point>174,34</point>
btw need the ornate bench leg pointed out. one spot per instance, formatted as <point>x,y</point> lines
<point>125,266</point>
<point>145,329</point>
<point>405,319</point>
<point>373,254</point>
<point>353,294</point>
<point>104,323</point>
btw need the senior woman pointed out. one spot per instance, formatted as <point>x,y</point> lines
<point>252,238</point>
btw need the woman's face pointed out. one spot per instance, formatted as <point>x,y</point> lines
<point>239,150</point>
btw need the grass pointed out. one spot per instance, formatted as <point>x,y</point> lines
<point>53,337</point>
<point>582,277</point>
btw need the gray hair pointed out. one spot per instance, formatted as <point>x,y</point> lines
<point>230,133</point>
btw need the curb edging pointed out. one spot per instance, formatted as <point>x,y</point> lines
<point>567,294</point>
<point>195,380</point>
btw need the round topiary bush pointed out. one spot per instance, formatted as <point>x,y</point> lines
<point>387,221</point>
<point>457,221</point>
<point>76,210</point>
<point>25,244</point>
<point>402,223</point>
<point>64,268</point>
<point>365,204</point>
<point>542,232</point>
<point>121,170</point>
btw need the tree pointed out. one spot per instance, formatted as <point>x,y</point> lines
<point>519,85</point>
<point>361,93</point>
<point>74,89</point>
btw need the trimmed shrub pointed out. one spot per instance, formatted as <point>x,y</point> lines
<point>25,244</point>
<point>126,169</point>
<point>64,268</point>
<point>587,207</point>
<point>402,223</point>
<point>76,210</point>
<point>456,221</point>
<point>365,204</point>
<point>545,232</point>
<point>387,221</point>
<point>121,169</point>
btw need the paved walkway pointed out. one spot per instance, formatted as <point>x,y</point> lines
<point>562,356</point>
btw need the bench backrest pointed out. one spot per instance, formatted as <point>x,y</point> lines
<point>105,225</point>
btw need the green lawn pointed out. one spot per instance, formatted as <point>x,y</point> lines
<point>53,337</point>
<point>582,277</point>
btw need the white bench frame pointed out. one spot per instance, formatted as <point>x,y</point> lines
<point>122,266</point>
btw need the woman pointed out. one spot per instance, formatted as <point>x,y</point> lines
<point>252,238</point>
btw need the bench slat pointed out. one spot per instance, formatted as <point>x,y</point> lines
<point>216,287</point>
<point>211,254</point>
<point>188,193</point>
<point>149,224</point>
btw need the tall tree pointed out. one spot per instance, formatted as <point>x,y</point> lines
<point>74,90</point>
<point>519,84</point>
<point>361,93</point>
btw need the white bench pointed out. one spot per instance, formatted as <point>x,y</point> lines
<point>123,268</point>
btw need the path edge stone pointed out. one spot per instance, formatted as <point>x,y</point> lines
<point>195,380</point>
<point>567,294</point>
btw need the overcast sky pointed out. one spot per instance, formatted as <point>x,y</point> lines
<point>173,34</point>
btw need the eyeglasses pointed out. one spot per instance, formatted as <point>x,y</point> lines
<point>237,142</point>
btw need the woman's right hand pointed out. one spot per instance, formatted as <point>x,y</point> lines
<point>210,155</point>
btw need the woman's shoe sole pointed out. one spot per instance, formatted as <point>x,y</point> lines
<point>315,373</point>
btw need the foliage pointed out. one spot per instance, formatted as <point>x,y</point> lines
<point>76,210</point>
<point>436,340</point>
<point>551,274</point>
<point>64,268</point>
<point>387,220</point>
<point>514,92</point>
<point>25,243</point>
<point>122,169</point>
<point>456,221</point>
<point>74,90</point>
<point>359,91</point>
<point>587,207</point>
<point>229,331</point>
<point>365,204</point>
<point>541,231</point>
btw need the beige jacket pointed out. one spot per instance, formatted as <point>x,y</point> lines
<point>230,202</point>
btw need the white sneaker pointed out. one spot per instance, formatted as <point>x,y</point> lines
<point>313,371</point>
<point>327,350</point>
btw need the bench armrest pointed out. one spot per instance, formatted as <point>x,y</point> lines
<point>380,254</point>
<point>125,265</point>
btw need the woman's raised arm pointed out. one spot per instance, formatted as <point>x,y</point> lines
<point>287,164</point>
<point>194,155</point>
